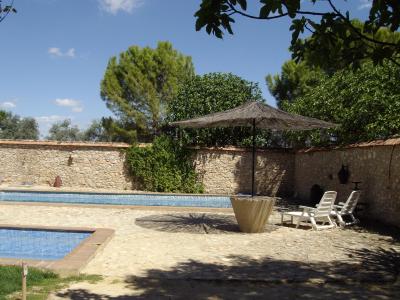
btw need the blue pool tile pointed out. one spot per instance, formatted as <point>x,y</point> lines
<point>38,244</point>
<point>119,199</point>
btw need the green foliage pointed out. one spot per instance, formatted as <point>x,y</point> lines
<point>10,279</point>
<point>119,131</point>
<point>295,80</point>
<point>298,79</point>
<point>64,131</point>
<point>138,86</point>
<point>365,102</point>
<point>39,283</point>
<point>340,48</point>
<point>103,130</point>
<point>165,166</point>
<point>333,33</point>
<point>99,132</point>
<point>95,132</point>
<point>17,128</point>
<point>211,93</point>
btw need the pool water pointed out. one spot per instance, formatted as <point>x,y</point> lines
<point>38,244</point>
<point>118,199</point>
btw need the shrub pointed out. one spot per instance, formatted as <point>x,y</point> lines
<point>165,166</point>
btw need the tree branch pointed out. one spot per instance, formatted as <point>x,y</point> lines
<point>336,13</point>
<point>8,11</point>
<point>363,36</point>
<point>236,11</point>
<point>394,61</point>
<point>310,30</point>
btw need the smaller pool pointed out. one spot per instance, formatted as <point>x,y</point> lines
<point>38,244</point>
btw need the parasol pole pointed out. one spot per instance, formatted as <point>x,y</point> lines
<point>254,158</point>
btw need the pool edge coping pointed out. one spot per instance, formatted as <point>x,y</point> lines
<point>73,262</point>
<point>72,190</point>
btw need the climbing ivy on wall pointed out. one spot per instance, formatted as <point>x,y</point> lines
<point>165,166</point>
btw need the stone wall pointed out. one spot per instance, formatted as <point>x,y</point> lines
<point>223,171</point>
<point>80,165</point>
<point>376,165</point>
<point>102,166</point>
<point>228,171</point>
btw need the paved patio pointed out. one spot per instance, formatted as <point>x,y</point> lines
<point>172,254</point>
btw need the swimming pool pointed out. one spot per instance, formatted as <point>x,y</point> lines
<point>118,199</point>
<point>38,244</point>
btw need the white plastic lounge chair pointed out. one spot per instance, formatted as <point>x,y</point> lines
<point>321,213</point>
<point>346,209</point>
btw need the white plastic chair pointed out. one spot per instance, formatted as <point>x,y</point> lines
<point>321,213</point>
<point>347,209</point>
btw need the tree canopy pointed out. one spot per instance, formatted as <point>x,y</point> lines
<point>366,104</point>
<point>16,128</point>
<point>331,31</point>
<point>95,132</point>
<point>138,86</point>
<point>295,80</point>
<point>210,93</point>
<point>298,78</point>
<point>64,131</point>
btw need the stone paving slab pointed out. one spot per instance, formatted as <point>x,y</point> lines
<point>176,250</point>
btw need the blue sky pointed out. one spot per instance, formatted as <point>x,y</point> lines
<point>54,52</point>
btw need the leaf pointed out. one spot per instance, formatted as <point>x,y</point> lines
<point>199,24</point>
<point>297,27</point>
<point>243,4</point>
<point>265,11</point>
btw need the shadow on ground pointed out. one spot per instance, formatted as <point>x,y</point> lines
<point>193,223</point>
<point>367,274</point>
<point>380,229</point>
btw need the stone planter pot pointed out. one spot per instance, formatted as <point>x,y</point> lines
<point>252,213</point>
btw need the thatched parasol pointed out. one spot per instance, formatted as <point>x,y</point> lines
<point>255,114</point>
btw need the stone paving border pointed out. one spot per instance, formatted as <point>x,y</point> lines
<point>74,261</point>
<point>66,189</point>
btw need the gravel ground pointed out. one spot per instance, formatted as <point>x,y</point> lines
<point>172,254</point>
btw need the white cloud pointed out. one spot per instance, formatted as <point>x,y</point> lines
<point>7,104</point>
<point>56,52</point>
<point>77,109</point>
<point>365,4</point>
<point>75,105</point>
<point>46,120</point>
<point>114,6</point>
<point>70,52</point>
<point>67,102</point>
